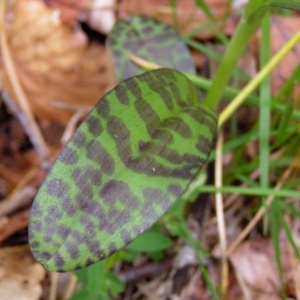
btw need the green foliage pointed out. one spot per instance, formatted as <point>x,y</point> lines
<point>284,124</point>
<point>150,241</point>
<point>286,4</point>
<point>127,163</point>
<point>146,38</point>
<point>205,8</point>
<point>63,243</point>
<point>98,283</point>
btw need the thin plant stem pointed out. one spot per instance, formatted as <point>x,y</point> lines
<point>206,84</point>
<point>248,24</point>
<point>71,287</point>
<point>53,286</point>
<point>32,128</point>
<point>284,193</point>
<point>240,98</point>
<point>264,110</point>
<point>221,217</point>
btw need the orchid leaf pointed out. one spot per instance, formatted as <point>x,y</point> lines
<point>151,40</point>
<point>127,163</point>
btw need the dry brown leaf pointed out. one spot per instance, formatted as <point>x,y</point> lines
<point>14,224</point>
<point>55,62</point>
<point>69,9</point>
<point>283,29</point>
<point>189,15</point>
<point>20,276</point>
<point>268,297</point>
<point>255,265</point>
<point>194,288</point>
<point>20,199</point>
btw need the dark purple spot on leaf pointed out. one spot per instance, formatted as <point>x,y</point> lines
<point>203,144</point>
<point>72,249</point>
<point>51,228</point>
<point>104,223</point>
<point>136,230</point>
<point>112,248</point>
<point>68,156</point>
<point>84,197</point>
<point>147,30</point>
<point>58,260</point>
<point>86,176</point>
<point>87,224</point>
<point>94,125</point>
<point>114,190</point>
<point>37,208</point>
<point>48,239</point>
<point>46,256</point>
<point>122,94</point>
<point>57,187</point>
<point>148,212</point>
<point>156,196</point>
<point>94,247</point>
<point>125,236</point>
<point>142,146</point>
<point>178,125</point>
<point>175,190</point>
<point>78,237</point>
<point>55,212</point>
<point>118,218</point>
<point>103,108</point>
<point>88,262</point>
<point>163,135</point>
<point>37,226</point>
<point>68,206</point>
<point>78,138</point>
<point>63,231</point>
<point>98,154</point>
<point>92,208</point>
<point>34,244</point>
<point>153,195</point>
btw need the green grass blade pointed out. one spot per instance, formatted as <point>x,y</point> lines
<point>289,235</point>
<point>283,127</point>
<point>264,110</point>
<point>257,79</point>
<point>287,4</point>
<point>290,209</point>
<point>236,47</point>
<point>251,191</point>
<point>205,8</point>
<point>275,217</point>
<point>288,86</point>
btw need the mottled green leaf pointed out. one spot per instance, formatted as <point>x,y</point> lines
<point>127,163</point>
<point>151,40</point>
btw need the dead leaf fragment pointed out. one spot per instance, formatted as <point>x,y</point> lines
<point>99,14</point>
<point>55,62</point>
<point>188,16</point>
<point>20,276</point>
<point>283,29</point>
<point>252,261</point>
<point>69,9</point>
<point>256,268</point>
